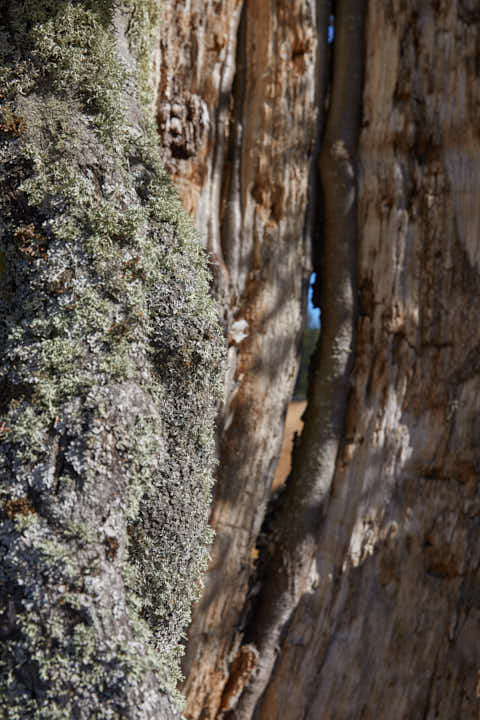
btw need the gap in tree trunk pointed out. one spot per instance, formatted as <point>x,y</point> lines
<point>246,182</point>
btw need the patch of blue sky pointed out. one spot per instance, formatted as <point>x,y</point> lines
<point>313,319</point>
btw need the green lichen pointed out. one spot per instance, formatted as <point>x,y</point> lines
<point>111,369</point>
<point>142,35</point>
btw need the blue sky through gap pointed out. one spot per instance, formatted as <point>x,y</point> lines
<point>313,312</point>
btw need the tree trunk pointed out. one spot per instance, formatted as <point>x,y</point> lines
<point>354,593</point>
<point>238,134</point>
<point>111,359</point>
<point>367,598</point>
<point>390,625</point>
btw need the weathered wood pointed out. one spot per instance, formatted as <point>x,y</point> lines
<point>387,619</point>
<point>390,624</point>
<point>293,535</point>
<point>246,181</point>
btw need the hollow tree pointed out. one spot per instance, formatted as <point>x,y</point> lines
<point>363,601</point>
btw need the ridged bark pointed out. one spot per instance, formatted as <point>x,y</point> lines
<point>389,625</point>
<point>294,524</point>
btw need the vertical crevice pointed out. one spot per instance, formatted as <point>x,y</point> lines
<point>302,507</point>
<point>317,199</point>
<point>220,166</point>
<point>230,223</point>
<point>291,526</point>
<point>231,201</point>
<point>268,128</point>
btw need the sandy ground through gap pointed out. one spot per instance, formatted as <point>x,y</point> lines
<point>293,424</point>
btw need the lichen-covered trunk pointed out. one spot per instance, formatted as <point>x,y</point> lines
<point>365,601</point>
<point>110,366</point>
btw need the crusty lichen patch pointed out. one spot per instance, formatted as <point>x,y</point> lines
<point>111,359</point>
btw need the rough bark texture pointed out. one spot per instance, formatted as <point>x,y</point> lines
<point>111,358</point>
<point>365,600</point>
<point>291,542</point>
<point>390,624</point>
<point>387,621</point>
<point>237,111</point>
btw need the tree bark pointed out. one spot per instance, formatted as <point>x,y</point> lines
<point>389,624</point>
<point>238,134</point>
<point>376,610</point>
<point>291,542</point>
<point>354,593</point>
<point>111,364</point>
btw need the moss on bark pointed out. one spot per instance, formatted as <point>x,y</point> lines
<point>110,375</point>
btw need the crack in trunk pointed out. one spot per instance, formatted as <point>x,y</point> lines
<point>297,518</point>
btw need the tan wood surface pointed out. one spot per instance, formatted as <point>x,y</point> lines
<point>293,424</point>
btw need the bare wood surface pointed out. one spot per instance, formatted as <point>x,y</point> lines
<point>237,113</point>
<point>389,625</point>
